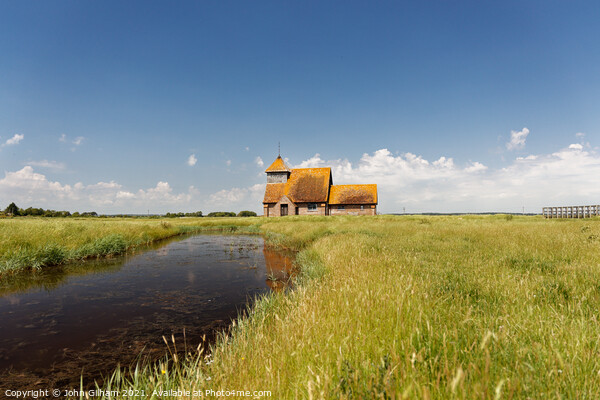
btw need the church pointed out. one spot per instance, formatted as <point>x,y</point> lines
<point>310,191</point>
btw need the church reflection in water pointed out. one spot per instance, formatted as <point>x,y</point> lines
<point>279,269</point>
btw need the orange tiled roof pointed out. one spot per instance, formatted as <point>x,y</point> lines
<point>273,192</point>
<point>278,166</point>
<point>353,194</point>
<point>309,185</point>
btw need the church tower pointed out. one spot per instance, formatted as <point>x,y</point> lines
<point>278,172</point>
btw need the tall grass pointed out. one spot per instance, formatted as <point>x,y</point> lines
<point>41,242</point>
<point>415,307</point>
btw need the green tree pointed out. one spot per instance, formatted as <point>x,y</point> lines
<point>221,214</point>
<point>246,214</point>
<point>12,209</point>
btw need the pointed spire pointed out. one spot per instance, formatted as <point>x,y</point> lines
<point>278,166</point>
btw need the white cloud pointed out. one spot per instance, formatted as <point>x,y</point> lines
<point>124,195</point>
<point>105,186</point>
<point>259,161</point>
<point>476,167</point>
<point>228,162</point>
<point>30,188</point>
<point>580,135</point>
<point>163,193</point>
<point>75,142</point>
<point>247,148</point>
<point>27,185</point>
<point>54,165</point>
<point>192,160</point>
<point>238,198</point>
<point>517,139</point>
<point>408,180</point>
<point>313,162</point>
<point>14,140</point>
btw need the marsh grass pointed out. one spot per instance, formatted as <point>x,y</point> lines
<point>413,307</point>
<point>41,242</point>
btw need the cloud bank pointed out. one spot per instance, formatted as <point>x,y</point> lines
<point>404,180</point>
<point>29,188</point>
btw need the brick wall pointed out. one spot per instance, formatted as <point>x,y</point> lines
<point>322,209</point>
<point>353,210</point>
<point>270,211</point>
<point>274,210</point>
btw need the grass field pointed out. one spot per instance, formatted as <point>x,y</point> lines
<point>415,307</point>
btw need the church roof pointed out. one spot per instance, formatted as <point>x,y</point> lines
<point>353,194</point>
<point>274,192</point>
<point>309,185</point>
<point>305,185</point>
<point>278,166</point>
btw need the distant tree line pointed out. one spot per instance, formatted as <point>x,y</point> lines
<point>180,214</point>
<point>221,214</point>
<point>246,214</point>
<point>14,211</point>
<point>232,214</point>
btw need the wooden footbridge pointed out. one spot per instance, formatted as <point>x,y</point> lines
<point>571,211</point>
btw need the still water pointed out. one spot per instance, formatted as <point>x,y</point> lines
<point>87,318</point>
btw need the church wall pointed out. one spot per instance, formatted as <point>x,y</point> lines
<point>321,209</point>
<point>274,210</point>
<point>353,209</point>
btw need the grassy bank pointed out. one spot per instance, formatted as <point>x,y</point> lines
<point>416,307</point>
<point>43,242</point>
<point>421,307</point>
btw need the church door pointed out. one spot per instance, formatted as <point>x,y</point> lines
<point>284,210</point>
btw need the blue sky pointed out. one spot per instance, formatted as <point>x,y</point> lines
<point>103,103</point>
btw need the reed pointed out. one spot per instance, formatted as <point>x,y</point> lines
<point>33,243</point>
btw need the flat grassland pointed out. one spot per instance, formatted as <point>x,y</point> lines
<point>410,306</point>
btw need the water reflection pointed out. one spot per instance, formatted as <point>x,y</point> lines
<point>279,269</point>
<point>91,316</point>
<point>52,277</point>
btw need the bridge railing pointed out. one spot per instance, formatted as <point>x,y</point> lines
<point>571,211</point>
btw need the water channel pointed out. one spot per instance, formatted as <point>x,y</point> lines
<point>85,319</point>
